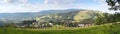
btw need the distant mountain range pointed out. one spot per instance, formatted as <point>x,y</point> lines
<point>27,15</point>
<point>33,14</point>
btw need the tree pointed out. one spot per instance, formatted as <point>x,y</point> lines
<point>114,4</point>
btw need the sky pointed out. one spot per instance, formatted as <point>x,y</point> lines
<point>13,6</point>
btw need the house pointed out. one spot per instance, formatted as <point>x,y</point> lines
<point>84,25</point>
<point>80,25</point>
<point>44,25</point>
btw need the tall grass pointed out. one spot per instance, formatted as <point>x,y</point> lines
<point>104,29</point>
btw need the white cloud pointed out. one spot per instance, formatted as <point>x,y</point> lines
<point>102,6</point>
<point>23,1</point>
<point>100,1</point>
<point>59,1</point>
<point>6,1</point>
<point>46,1</point>
<point>13,1</point>
<point>24,6</point>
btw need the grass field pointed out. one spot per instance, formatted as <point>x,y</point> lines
<point>103,29</point>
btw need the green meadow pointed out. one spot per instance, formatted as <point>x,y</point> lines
<point>100,29</point>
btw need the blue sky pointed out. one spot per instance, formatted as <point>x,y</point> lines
<point>13,6</point>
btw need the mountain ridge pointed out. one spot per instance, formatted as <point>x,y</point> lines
<point>22,16</point>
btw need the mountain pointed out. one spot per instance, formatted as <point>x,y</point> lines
<point>33,14</point>
<point>68,13</point>
<point>25,15</point>
<point>45,12</point>
<point>74,16</point>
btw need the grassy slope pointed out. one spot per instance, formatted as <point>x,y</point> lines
<point>107,29</point>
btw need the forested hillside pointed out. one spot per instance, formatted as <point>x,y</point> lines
<point>28,15</point>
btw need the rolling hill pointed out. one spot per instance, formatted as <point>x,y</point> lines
<point>74,14</point>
